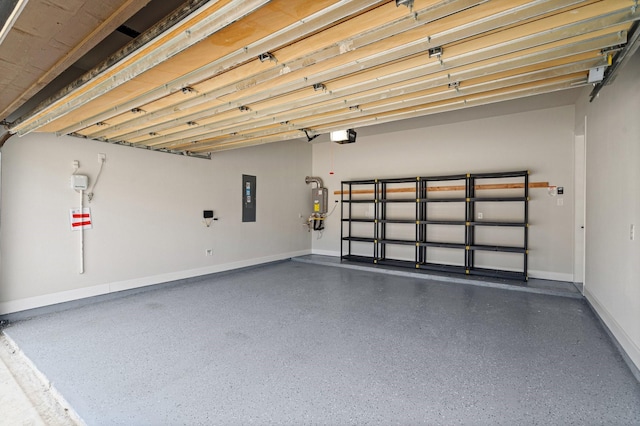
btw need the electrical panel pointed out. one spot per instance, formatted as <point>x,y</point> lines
<point>320,200</point>
<point>79,182</point>
<point>248,198</point>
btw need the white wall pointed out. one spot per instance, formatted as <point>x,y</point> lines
<point>147,215</point>
<point>541,141</point>
<point>612,276</point>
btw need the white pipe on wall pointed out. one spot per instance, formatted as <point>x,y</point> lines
<point>81,234</point>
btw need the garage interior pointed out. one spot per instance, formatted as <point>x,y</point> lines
<point>129,129</point>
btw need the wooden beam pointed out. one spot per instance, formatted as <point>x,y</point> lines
<point>306,103</point>
<point>252,73</point>
<point>450,64</point>
<point>370,73</point>
<point>200,24</point>
<point>450,188</point>
<point>260,117</point>
<point>450,105</point>
<point>299,29</point>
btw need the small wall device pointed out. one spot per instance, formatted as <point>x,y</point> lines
<point>79,182</point>
<point>207,217</point>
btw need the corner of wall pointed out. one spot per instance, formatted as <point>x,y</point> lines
<point>626,346</point>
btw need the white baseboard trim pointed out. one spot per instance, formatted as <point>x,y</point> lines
<point>326,252</point>
<point>543,275</point>
<point>628,346</point>
<point>19,305</point>
<point>555,276</point>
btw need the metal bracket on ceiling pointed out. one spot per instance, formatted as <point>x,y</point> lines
<point>306,132</point>
<point>264,57</point>
<point>408,3</point>
<point>619,60</point>
<point>609,52</point>
<point>435,51</point>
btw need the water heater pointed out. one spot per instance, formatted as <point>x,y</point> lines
<point>320,199</point>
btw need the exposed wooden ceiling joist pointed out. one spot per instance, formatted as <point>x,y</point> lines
<point>250,52</point>
<point>237,75</point>
<point>350,93</point>
<point>444,106</point>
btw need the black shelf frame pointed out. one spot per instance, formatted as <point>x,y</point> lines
<point>380,200</point>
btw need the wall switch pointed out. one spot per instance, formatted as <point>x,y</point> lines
<point>102,158</point>
<point>209,252</point>
<point>480,215</point>
<point>560,201</point>
<point>632,232</point>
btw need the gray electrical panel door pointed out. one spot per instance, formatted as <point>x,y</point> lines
<point>248,198</point>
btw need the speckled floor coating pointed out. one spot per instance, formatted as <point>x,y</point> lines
<point>293,343</point>
<point>533,285</point>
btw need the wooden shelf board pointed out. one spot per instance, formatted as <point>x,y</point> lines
<point>449,188</point>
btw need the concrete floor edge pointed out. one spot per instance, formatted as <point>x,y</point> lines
<point>44,404</point>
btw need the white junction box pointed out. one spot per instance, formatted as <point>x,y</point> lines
<point>79,182</point>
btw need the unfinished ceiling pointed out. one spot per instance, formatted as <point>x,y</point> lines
<point>234,73</point>
<point>46,37</point>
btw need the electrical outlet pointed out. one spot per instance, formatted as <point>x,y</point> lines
<point>102,158</point>
<point>632,232</point>
<point>480,215</point>
<point>560,201</point>
<point>76,164</point>
<point>208,252</point>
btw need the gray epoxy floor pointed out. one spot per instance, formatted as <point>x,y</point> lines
<point>533,285</point>
<point>293,343</point>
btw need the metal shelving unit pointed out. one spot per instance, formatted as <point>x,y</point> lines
<point>372,230</point>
